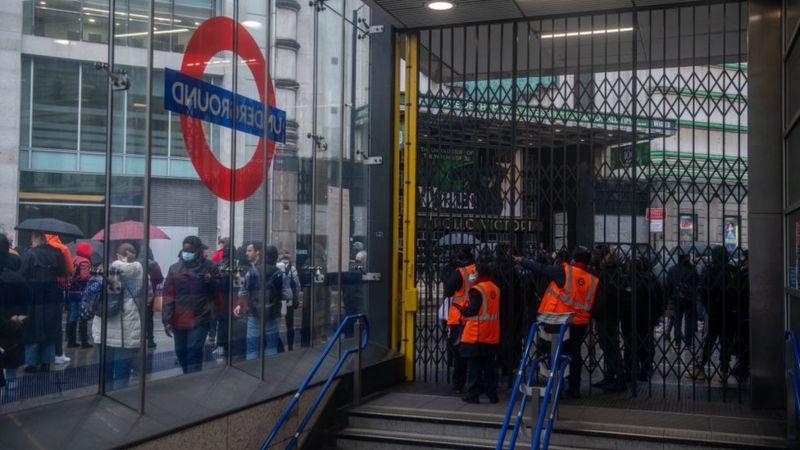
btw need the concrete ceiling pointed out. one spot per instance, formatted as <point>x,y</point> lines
<point>414,14</point>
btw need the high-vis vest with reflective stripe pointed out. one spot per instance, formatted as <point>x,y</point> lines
<point>460,297</point>
<point>484,327</point>
<point>576,296</point>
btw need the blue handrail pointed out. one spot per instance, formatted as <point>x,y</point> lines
<point>794,373</point>
<point>304,385</point>
<point>530,362</point>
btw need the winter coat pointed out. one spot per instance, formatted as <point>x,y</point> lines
<point>14,299</point>
<point>80,275</point>
<point>42,267</point>
<point>124,329</point>
<point>190,293</point>
<point>54,241</point>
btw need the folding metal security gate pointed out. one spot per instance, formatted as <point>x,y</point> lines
<point>623,131</point>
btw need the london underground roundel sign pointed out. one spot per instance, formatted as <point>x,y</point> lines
<point>197,101</point>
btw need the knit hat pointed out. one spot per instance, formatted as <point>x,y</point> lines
<point>84,249</point>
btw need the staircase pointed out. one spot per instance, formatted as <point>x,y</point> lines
<point>401,420</point>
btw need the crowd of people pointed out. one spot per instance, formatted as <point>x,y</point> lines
<point>51,298</point>
<point>694,312</point>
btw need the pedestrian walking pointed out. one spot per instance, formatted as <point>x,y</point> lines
<point>189,295</point>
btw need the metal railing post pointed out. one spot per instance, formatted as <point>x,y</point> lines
<point>357,371</point>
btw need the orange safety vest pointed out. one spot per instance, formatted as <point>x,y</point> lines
<point>485,326</point>
<point>576,296</point>
<point>460,297</point>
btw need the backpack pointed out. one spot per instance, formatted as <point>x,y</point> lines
<point>274,289</point>
<point>92,299</point>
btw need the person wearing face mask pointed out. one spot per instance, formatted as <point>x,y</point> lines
<point>189,294</point>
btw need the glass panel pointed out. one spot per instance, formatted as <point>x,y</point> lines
<point>94,103</point>
<point>259,296</point>
<point>126,269</point>
<point>792,163</point>
<point>25,104</point>
<point>60,19</point>
<point>192,295</point>
<point>356,175</point>
<point>792,89</point>
<point>792,17</point>
<point>55,104</point>
<point>793,250</point>
<point>53,161</point>
<point>92,163</point>
<point>330,235</point>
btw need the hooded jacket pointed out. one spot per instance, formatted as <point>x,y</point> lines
<point>124,330</point>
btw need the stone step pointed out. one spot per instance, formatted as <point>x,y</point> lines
<point>404,425</point>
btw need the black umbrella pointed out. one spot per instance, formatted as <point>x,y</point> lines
<point>50,225</point>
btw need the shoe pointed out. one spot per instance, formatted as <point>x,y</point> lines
<point>73,345</point>
<point>151,344</point>
<point>86,345</point>
<point>493,399</point>
<point>469,399</point>
<point>31,369</point>
<point>62,359</point>
<point>44,368</point>
<point>219,352</point>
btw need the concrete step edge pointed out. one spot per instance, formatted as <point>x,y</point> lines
<point>602,430</point>
<point>398,437</point>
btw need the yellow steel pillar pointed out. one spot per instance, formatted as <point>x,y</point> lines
<point>409,284</point>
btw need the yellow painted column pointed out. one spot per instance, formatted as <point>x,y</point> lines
<point>409,285</point>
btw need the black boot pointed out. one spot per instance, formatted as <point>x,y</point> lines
<point>72,342</point>
<point>83,332</point>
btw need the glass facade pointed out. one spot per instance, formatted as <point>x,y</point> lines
<point>208,243</point>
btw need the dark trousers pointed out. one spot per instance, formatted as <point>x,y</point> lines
<point>189,346</point>
<point>149,322</point>
<point>608,335</point>
<point>290,328</point>
<point>572,347</point>
<point>481,373</point>
<point>457,362</point>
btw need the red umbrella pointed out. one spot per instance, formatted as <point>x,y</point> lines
<point>130,230</point>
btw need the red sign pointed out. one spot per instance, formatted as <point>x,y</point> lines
<point>655,214</point>
<point>216,35</point>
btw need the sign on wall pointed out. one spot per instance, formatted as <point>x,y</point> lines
<point>196,101</point>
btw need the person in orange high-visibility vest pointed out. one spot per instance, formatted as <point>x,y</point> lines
<point>456,289</point>
<point>480,338</point>
<point>572,289</point>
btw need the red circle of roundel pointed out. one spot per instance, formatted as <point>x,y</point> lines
<point>213,36</point>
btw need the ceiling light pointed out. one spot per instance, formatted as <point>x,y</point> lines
<point>42,3</point>
<point>586,33</point>
<point>61,41</point>
<point>92,21</point>
<point>144,33</point>
<point>440,6</point>
<point>252,24</point>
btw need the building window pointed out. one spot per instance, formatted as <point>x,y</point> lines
<point>55,104</point>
